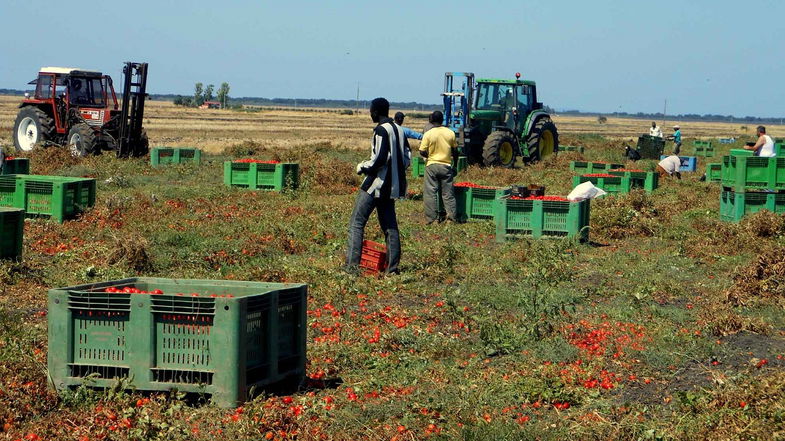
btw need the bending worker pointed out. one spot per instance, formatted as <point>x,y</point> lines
<point>765,145</point>
<point>439,147</point>
<point>669,167</point>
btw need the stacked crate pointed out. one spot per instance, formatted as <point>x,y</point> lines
<point>751,184</point>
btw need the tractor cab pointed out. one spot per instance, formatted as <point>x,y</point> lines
<point>504,103</point>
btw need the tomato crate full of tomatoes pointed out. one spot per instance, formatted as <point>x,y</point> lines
<point>592,167</point>
<point>474,201</point>
<point>257,174</point>
<point>541,217</point>
<point>56,197</point>
<point>374,257</point>
<point>175,155</point>
<point>15,166</point>
<point>221,338</point>
<point>12,221</point>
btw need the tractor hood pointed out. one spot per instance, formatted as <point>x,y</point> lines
<point>486,115</point>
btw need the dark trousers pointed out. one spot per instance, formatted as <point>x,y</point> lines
<point>385,210</point>
<point>439,178</point>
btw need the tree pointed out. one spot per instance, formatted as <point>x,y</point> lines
<point>223,94</point>
<point>208,92</point>
<point>198,101</point>
<point>602,119</point>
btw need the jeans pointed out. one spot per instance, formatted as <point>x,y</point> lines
<point>385,210</point>
<point>439,176</point>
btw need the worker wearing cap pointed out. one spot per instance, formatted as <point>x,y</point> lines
<point>765,145</point>
<point>407,132</point>
<point>669,166</point>
<point>439,147</point>
<point>676,139</point>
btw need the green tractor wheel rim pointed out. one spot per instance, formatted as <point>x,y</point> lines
<point>505,152</point>
<point>546,144</point>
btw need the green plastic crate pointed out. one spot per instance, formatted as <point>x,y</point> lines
<point>16,166</point>
<point>571,148</point>
<point>258,176</point>
<point>174,155</point>
<point>592,167</point>
<point>477,203</point>
<point>714,172</point>
<point>750,172</point>
<point>58,197</point>
<point>461,164</point>
<point>12,221</point>
<point>418,166</point>
<point>650,147</point>
<point>612,185</point>
<point>649,181</point>
<point>213,344</point>
<point>538,219</point>
<point>7,190</point>
<point>734,206</point>
<point>741,152</point>
<point>704,148</point>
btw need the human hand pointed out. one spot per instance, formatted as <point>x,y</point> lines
<point>359,169</point>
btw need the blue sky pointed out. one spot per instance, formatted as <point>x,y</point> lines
<point>704,56</point>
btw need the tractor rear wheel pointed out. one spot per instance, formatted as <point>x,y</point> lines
<point>33,126</point>
<point>499,149</point>
<point>543,140</point>
<point>81,140</point>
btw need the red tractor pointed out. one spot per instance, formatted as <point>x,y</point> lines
<point>79,108</point>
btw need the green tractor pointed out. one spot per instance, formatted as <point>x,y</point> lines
<point>496,120</point>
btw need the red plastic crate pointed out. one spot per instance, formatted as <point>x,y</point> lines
<point>374,257</point>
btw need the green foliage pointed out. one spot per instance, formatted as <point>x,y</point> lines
<point>198,94</point>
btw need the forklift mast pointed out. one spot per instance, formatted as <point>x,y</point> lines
<point>458,95</point>
<point>131,117</point>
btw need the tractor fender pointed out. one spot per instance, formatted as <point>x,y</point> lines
<point>531,120</point>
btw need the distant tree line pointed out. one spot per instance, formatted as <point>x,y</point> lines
<point>204,93</point>
<point>681,117</point>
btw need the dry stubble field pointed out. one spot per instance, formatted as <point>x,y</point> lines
<point>668,324</point>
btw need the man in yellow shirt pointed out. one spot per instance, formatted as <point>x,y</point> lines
<point>438,146</point>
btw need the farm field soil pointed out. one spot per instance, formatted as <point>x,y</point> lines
<point>667,324</point>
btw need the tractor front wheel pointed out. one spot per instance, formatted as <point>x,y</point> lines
<point>543,140</point>
<point>499,149</point>
<point>33,126</point>
<point>81,140</point>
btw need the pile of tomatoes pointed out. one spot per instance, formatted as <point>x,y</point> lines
<point>540,198</point>
<point>256,161</point>
<point>132,290</point>
<point>472,185</point>
<point>599,175</point>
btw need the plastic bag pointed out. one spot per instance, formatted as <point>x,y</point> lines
<point>584,191</point>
